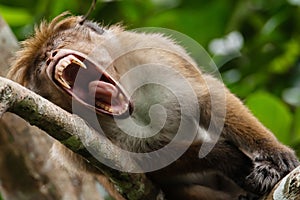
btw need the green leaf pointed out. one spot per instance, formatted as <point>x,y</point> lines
<point>273,113</point>
<point>15,16</point>
<point>288,59</point>
<point>201,24</point>
<point>297,125</point>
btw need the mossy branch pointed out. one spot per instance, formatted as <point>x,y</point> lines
<point>286,189</point>
<point>74,133</point>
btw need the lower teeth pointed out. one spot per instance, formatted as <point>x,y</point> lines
<point>103,106</point>
<point>100,105</point>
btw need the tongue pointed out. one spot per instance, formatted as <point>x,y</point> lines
<point>103,91</point>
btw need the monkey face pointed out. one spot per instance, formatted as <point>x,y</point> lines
<point>67,60</point>
<point>74,73</point>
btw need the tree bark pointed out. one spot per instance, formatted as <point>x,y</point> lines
<point>26,172</point>
<point>288,188</point>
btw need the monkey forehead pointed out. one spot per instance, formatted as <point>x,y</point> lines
<point>34,47</point>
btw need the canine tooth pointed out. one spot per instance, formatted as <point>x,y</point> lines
<point>59,78</point>
<point>63,82</point>
<point>125,108</point>
<point>101,105</point>
<point>121,97</point>
<point>106,108</point>
<point>110,110</point>
<point>77,61</point>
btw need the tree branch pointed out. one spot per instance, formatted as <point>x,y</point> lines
<point>286,189</point>
<point>74,133</point>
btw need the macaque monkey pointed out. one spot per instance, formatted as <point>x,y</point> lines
<point>246,153</point>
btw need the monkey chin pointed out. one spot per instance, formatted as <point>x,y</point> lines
<point>88,83</point>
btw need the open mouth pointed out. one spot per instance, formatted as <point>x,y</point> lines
<point>88,83</point>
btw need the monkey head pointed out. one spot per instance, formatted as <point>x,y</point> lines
<point>52,59</point>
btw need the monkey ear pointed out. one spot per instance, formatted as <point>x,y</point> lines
<point>247,153</point>
<point>18,75</point>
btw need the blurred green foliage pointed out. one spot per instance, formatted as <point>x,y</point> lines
<point>264,71</point>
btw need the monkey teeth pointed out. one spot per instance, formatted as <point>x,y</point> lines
<point>62,65</point>
<point>109,97</point>
<point>121,97</point>
<point>77,61</point>
<point>63,82</point>
<point>110,109</point>
<point>103,106</point>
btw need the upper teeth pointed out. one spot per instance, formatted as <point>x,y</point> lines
<point>62,65</point>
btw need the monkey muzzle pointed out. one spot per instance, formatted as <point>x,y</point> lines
<point>88,83</point>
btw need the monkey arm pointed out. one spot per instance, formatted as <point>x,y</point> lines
<point>272,160</point>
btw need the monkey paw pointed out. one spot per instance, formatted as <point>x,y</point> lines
<point>269,168</point>
<point>262,178</point>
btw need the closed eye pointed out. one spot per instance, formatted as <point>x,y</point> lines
<point>94,27</point>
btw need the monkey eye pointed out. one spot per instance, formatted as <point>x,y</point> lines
<point>94,27</point>
<point>88,83</point>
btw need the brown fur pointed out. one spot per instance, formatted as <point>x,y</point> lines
<point>246,152</point>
